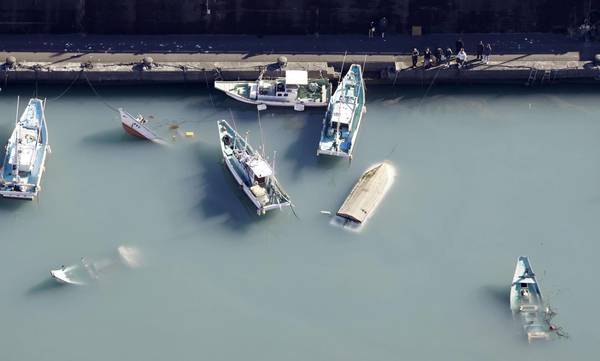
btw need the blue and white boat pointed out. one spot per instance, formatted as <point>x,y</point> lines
<point>254,175</point>
<point>26,151</point>
<point>344,114</point>
<point>527,304</point>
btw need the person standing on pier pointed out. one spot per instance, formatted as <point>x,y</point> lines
<point>461,58</point>
<point>438,54</point>
<point>480,51</point>
<point>487,51</point>
<point>459,45</point>
<point>415,57</point>
<point>382,26</point>
<point>371,29</point>
<point>427,58</point>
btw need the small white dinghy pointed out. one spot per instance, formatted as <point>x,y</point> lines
<point>86,271</point>
<point>527,304</point>
<point>138,127</point>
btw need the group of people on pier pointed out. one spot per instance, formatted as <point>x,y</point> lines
<point>440,57</point>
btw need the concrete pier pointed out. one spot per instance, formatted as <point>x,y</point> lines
<point>516,58</point>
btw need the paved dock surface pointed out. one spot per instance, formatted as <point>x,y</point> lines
<point>511,53</point>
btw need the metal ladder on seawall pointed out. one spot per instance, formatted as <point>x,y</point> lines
<point>547,76</point>
<point>532,76</point>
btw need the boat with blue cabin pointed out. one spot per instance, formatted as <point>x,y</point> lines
<point>527,304</point>
<point>26,151</point>
<point>251,171</point>
<point>344,114</point>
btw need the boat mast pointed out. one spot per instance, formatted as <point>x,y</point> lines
<point>17,137</point>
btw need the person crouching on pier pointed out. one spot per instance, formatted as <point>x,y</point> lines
<point>448,56</point>
<point>415,57</point>
<point>439,55</point>
<point>461,58</point>
<point>487,51</point>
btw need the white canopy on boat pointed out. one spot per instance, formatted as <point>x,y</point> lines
<point>342,113</point>
<point>259,167</point>
<point>297,77</point>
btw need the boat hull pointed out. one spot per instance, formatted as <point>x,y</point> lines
<point>134,128</point>
<point>27,187</point>
<point>229,160</point>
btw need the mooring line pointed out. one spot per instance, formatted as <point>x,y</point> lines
<point>98,95</point>
<point>68,88</point>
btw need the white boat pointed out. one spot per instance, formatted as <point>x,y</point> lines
<point>86,271</point>
<point>254,175</point>
<point>138,127</point>
<point>527,304</point>
<point>295,90</point>
<point>344,115</point>
<point>26,151</point>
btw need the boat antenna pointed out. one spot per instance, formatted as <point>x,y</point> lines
<point>343,63</point>
<point>233,120</point>
<point>262,138</point>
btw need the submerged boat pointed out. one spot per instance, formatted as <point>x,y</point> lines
<point>26,151</point>
<point>295,90</point>
<point>527,304</point>
<point>343,116</point>
<point>251,171</point>
<point>137,126</point>
<point>86,271</point>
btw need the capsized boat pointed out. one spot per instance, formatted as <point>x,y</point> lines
<point>344,114</point>
<point>86,271</point>
<point>526,302</point>
<point>251,171</point>
<point>26,151</point>
<point>295,90</point>
<point>138,127</point>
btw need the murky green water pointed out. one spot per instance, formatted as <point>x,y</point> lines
<point>483,175</point>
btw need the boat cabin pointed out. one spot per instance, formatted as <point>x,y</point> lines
<point>259,170</point>
<point>281,88</point>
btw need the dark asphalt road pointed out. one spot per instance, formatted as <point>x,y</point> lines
<point>250,46</point>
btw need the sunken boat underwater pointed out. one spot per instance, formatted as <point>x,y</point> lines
<point>26,151</point>
<point>254,175</point>
<point>527,304</point>
<point>88,271</point>
<point>344,114</point>
<point>367,193</point>
<point>294,90</point>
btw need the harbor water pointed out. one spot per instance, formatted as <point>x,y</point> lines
<point>483,175</point>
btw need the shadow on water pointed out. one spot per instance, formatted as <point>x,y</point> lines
<point>45,286</point>
<point>220,195</point>
<point>11,205</point>
<point>112,137</point>
<point>303,151</point>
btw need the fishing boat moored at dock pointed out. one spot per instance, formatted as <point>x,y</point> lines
<point>295,90</point>
<point>26,151</point>
<point>254,175</point>
<point>344,114</point>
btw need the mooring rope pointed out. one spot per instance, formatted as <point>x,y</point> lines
<point>68,87</point>
<point>98,95</point>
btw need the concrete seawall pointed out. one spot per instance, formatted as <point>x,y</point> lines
<point>378,70</point>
